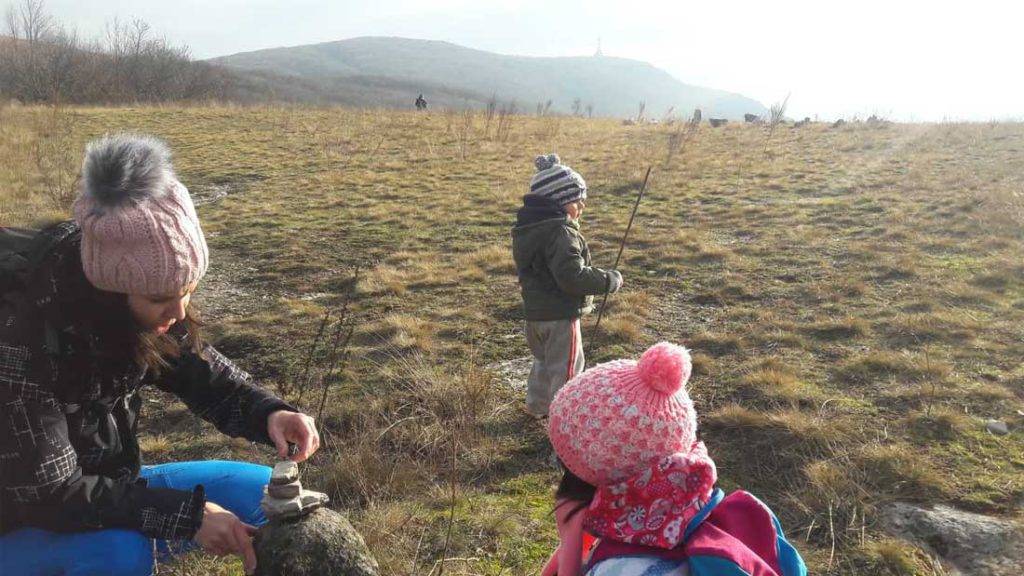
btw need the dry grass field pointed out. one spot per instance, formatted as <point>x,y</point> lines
<point>854,298</point>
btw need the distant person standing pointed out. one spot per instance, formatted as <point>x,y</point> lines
<point>421,103</point>
<point>557,281</point>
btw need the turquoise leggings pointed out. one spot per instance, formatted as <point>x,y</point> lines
<point>237,486</point>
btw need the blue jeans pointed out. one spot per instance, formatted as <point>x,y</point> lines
<point>237,486</point>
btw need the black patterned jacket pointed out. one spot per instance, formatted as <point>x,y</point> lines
<point>69,407</point>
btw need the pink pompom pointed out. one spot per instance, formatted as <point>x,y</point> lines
<point>665,367</point>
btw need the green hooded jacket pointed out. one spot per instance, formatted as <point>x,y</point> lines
<point>553,263</point>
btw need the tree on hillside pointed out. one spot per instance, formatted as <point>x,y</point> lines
<point>41,61</point>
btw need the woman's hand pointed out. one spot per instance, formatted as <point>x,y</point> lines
<point>222,533</point>
<point>284,427</point>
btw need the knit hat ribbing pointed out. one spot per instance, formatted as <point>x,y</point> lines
<point>616,418</point>
<point>140,231</point>
<point>557,181</point>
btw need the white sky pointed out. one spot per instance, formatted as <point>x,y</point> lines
<point>906,60</point>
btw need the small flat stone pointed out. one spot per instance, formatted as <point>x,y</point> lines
<point>280,508</point>
<point>311,499</point>
<point>284,508</point>
<point>285,491</point>
<point>284,472</point>
<point>997,427</point>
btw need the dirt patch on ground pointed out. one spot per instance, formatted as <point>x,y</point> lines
<point>513,373</point>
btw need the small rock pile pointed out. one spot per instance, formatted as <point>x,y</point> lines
<point>285,498</point>
<point>303,537</point>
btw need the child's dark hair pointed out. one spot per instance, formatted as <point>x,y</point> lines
<point>573,491</point>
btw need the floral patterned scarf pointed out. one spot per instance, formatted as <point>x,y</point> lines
<point>654,506</point>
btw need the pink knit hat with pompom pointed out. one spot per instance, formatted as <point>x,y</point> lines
<point>616,418</point>
<point>140,231</point>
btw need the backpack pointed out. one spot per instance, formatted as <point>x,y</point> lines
<point>15,255</point>
<point>23,249</point>
<point>735,535</point>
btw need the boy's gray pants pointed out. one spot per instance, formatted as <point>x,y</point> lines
<point>557,348</point>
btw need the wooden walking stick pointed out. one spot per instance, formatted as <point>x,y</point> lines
<point>622,247</point>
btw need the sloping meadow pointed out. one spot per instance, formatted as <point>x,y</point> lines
<point>853,296</point>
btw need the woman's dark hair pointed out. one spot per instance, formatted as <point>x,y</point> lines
<point>151,351</point>
<point>574,491</point>
<point>121,334</point>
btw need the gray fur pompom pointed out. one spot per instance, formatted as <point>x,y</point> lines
<point>126,169</point>
<point>544,162</point>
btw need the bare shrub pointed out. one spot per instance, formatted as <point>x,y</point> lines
<point>505,118</point>
<point>543,108</point>
<point>492,106</point>
<point>680,136</point>
<point>55,155</point>
<point>465,133</point>
<point>778,113</point>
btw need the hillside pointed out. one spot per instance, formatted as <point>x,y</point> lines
<point>393,71</point>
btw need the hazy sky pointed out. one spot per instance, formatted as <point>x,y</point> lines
<point>901,59</point>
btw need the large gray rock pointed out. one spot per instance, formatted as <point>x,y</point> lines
<point>974,544</point>
<point>322,543</point>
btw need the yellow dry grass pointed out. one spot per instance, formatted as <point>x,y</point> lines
<point>853,299</point>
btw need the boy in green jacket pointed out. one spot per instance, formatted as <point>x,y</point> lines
<point>557,281</point>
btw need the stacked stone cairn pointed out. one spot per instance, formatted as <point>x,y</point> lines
<point>303,537</point>
<point>285,498</point>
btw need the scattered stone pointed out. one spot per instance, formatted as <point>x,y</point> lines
<point>997,427</point>
<point>322,543</point>
<point>285,491</point>
<point>973,543</point>
<point>838,123</point>
<point>285,473</point>
<point>716,122</point>
<point>513,373</point>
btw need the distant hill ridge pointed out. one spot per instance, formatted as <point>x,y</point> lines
<point>392,71</point>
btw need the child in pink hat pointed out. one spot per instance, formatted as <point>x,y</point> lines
<point>639,481</point>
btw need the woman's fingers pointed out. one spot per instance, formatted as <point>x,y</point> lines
<point>305,437</point>
<point>243,542</point>
<point>277,436</point>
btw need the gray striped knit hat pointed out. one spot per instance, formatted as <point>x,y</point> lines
<point>556,181</point>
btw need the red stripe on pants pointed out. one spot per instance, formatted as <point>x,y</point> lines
<point>572,350</point>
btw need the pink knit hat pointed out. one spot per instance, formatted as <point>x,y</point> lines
<point>616,418</point>
<point>140,231</point>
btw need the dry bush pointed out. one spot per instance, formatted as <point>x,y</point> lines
<point>680,136</point>
<point>505,120</point>
<point>776,116</point>
<point>398,439</point>
<point>56,157</point>
<point>464,134</point>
